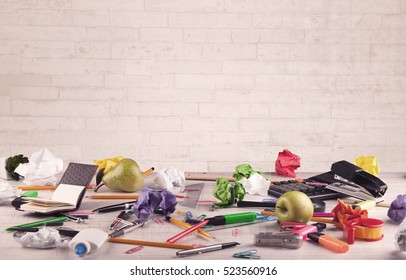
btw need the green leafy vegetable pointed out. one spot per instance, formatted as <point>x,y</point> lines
<point>12,163</point>
<point>227,193</point>
<point>244,170</point>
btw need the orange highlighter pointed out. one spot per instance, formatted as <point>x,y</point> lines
<point>329,242</point>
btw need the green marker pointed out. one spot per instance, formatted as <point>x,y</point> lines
<point>232,218</point>
<point>40,223</point>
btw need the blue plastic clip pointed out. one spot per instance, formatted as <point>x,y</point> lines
<point>189,215</point>
<point>249,254</point>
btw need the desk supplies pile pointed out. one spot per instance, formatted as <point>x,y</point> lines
<point>300,221</point>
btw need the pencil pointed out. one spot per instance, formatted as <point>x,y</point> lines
<point>147,172</point>
<point>42,188</point>
<point>186,225</point>
<point>151,243</point>
<point>322,220</point>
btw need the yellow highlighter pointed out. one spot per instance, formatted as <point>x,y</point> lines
<point>365,205</point>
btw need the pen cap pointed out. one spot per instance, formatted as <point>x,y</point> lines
<point>329,242</point>
<point>240,217</point>
<point>88,240</point>
<point>281,239</point>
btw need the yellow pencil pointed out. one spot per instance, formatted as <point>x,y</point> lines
<point>147,172</point>
<point>151,243</point>
<point>43,188</point>
<point>186,225</point>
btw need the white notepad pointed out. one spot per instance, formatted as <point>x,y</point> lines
<point>65,198</point>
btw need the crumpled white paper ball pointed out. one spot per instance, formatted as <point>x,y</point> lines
<point>170,178</point>
<point>256,184</point>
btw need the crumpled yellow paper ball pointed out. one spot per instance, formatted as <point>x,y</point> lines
<point>368,164</point>
<point>107,163</point>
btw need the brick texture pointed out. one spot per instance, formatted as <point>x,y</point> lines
<point>205,85</point>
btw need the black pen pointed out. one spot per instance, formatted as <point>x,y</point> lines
<point>115,207</point>
<point>206,249</point>
<point>261,204</point>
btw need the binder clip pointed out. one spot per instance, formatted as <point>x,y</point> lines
<point>249,254</point>
<point>363,228</point>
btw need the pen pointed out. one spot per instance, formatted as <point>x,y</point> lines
<point>121,196</point>
<point>329,242</point>
<point>113,196</point>
<point>186,232</point>
<point>186,225</point>
<point>151,243</point>
<point>115,207</point>
<point>262,204</point>
<point>232,218</point>
<point>322,217</point>
<point>41,222</point>
<point>201,250</point>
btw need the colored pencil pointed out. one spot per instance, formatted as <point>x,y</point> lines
<point>186,225</point>
<point>178,236</point>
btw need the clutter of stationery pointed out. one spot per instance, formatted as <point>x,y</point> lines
<point>297,205</point>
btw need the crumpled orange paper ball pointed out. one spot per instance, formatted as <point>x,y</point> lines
<point>344,212</point>
<point>368,164</point>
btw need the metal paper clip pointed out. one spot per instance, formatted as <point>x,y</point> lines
<point>249,254</point>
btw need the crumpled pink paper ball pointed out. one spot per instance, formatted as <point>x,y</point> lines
<point>287,163</point>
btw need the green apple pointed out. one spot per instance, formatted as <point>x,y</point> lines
<point>294,206</point>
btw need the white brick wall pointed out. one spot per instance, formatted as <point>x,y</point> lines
<point>205,85</point>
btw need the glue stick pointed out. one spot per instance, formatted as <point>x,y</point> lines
<point>88,240</point>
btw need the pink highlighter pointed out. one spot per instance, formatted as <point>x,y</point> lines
<point>304,230</point>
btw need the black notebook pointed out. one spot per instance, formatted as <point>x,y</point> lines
<point>68,194</point>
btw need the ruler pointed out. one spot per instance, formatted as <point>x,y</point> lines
<point>208,176</point>
<point>192,195</point>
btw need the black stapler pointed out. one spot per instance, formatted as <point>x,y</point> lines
<point>348,179</point>
<point>354,174</point>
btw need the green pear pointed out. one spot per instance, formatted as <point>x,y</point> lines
<point>125,176</point>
